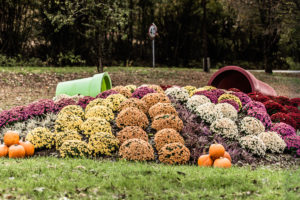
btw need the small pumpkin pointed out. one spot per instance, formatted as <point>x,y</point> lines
<point>227,155</point>
<point>205,161</point>
<point>29,148</point>
<point>11,138</point>
<point>16,151</point>
<point>3,150</point>
<point>222,163</point>
<point>216,151</point>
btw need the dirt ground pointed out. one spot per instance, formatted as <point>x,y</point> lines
<point>24,87</point>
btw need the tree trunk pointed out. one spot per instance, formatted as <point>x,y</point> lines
<point>204,34</point>
<point>100,61</point>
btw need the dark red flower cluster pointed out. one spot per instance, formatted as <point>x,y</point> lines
<point>296,117</point>
<point>274,107</point>
<point>234,90</point>
<point>282,117</point>
<point>282,100</point>
<point>142,91</point>
<point>256,96</point>
<point>165,87</point>
<point>209,94</point>
<point>295,102</point>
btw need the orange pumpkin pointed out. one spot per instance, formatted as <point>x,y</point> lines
<point>29,148</point>
<point>216,151</point>
<point>16,151</point>
<point>11,138</point>
<point>205,161</point>
<point>227,155</point>
<point>3,150</point>
<point>222,163</point>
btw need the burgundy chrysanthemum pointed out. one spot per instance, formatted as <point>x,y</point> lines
<point>165,87</point>
<point>84,101</point>
<point>234,90</point>
<point>296,118</point>
<point>213,98</point>
<point>282,117</point>
<point>64,102</point>
<point>142,91</point>
<point>274,107</point>
<point>282,100</point>
<point>106,93</point>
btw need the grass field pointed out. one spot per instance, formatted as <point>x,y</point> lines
<point>53,178</point>
<point>19,86</point>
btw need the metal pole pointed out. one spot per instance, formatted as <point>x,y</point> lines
<point>153,53</point>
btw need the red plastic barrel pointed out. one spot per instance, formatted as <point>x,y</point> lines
<point>236,77</point>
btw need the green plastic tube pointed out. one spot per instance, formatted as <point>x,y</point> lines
<point>88,86</point>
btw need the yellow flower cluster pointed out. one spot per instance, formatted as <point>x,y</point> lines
<point>190,89</point>
<point>103,144</point>
<point>123,90</point>
<point>162,108</point>
<point>167,121</point>
<point>93,125</point>
<point>101,112</point>
<point>132,88</point>
<point>116,100</point>
<point>167,136</point>
<point>132,117</point>
<point>41,138</point>
<point>72,110</point>
<point>67,122</point>
<point>154,98</point>
<point>202,89</point>
<point>131,132</point>
<point>136,149</point>
<point>174,153</point>
<point>157,88</point>
<point>99,102</point>
<point>231,97</point>
<point>74,148</point>
<point>60,137</point>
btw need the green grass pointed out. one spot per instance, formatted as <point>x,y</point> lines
<point>52,178</point>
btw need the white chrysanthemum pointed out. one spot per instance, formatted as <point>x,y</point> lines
<point>179,94</point>
<point>273,141</point>
<point>206,112</point>
<point>253,144</point>
<point>251,126</point>
<point>196,101</point>
<point>225,110</point>
<point>225,127</point>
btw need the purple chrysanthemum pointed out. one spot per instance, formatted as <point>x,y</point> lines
<point>262,116</point>
<point>213,98</point>
<point>105,94</point>
<point>254,105</point>
<point>283,129</point>
<point>84,101</point>
<point>293,144</point>
<point>142,91</point>
<point>244,98</point>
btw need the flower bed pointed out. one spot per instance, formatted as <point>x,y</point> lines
<point>174,126</point>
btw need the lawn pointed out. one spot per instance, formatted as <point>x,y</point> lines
<point>53,178</point>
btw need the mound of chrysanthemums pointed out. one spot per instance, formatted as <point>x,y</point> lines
<point>172,125</point>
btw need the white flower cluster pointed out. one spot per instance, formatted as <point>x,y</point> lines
<point>273,141</point>
<point>196,101</point>
<point>179,94</point>
<point>225,127</point>
<point>251,126</point>
<point>206,112</point>
<point>225,110</point>
<point>253,144</point>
